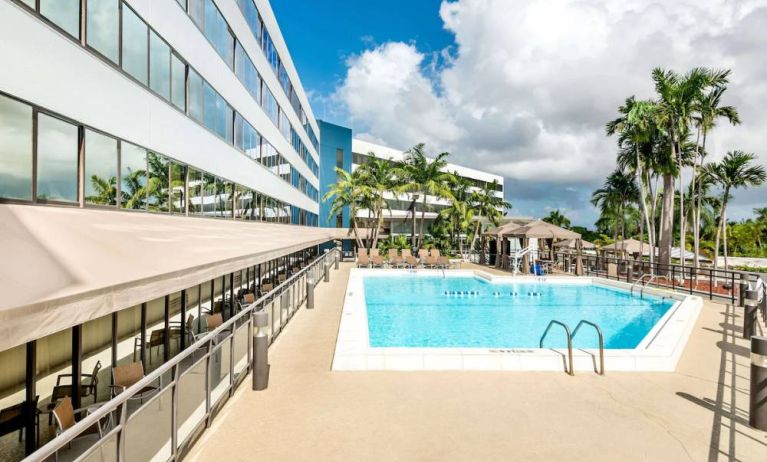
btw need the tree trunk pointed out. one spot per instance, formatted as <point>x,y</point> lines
<point>423,220</point>
<point>643,205</point>
<point>720,227</point>
<point>666,221</point>
<point>476,234</point>
<point>682,217</point>
<point>699,202</point>
<point>724,232</point>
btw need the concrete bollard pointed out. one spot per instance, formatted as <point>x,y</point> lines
<point>260,364</point>
<point>757,410</point>
<point>750,307</point>
<point>309,293</point>
<point>327,271</point>
<point>337,264</point>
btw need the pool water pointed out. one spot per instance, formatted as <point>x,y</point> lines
<point>426,312</point>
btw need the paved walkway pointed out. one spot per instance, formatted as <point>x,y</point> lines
<point>698,413</point>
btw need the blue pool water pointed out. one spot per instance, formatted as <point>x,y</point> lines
<point>414,311</point>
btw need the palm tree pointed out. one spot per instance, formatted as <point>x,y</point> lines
<point>133,190</point>
<point>487,205</point>
<point>677,98</point>
<point>423,177</point>
<point>348,191</point>
<point>556,218</point>
<point>460,213</point>
<point>735,171</point>
<point>376,176</point>
<point>105,190</point>
<point>709,111</point>
<point>614,199</point>
<point>637,129</point>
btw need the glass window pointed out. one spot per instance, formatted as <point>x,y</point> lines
<point>217,32</point>
<point>159,65</point>
<point>135,45</point>
<point>246,137</point>
<point>132,176</point>
<point>103,27</point>
<point>249,10</point>
<point>246,72</point>
<point>218,116</point>
<point>177,188</point>
<point>270,105</point>
<point>195,191</point>
<point>100,169</point>
<point>63,13</point>
<point>284,125</point>
<point>15,149</point>
<point>209,194</point>
<point>157,186</point>
<point>197,12</point>
<point>195,95</point>
<point>57,147</point>
<point>178,79</point>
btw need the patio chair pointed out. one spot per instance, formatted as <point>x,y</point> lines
<point>411,261</point>
<point>443,262</point>
<point>266,287</point>
<point>65,419</point>
<point>423,255</point>
<point>13,418</point>
<point>377,261</point>
<point>125,376</point>
<point>374,253</point>
<point>363,260</point>
<point>394,259</point>
<point>177,329</point>
<point>88,384</point>
<point>156,340</point>
<point>429,261</point>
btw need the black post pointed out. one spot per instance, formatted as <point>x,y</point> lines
<point>742,289</point>
<point>757,410</point>
<point>142,353</point>
<point>77,365</point>
<point>750,306</point>
<point>31,397</point>
<point>115,333</point>
<point>182,328</point>
<point>166,331</point>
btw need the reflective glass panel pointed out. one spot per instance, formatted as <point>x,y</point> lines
<point>157,187</point>
<point>57,147</point>
<point>135,45</point>
<point>159,65</point>
<point>209,194</point>
<point>217,32</point>
<point>132,176</point>
<point>177,188</point>
<point>100,169</point>
<point>195,95</point>
<point>195,191</point>
<point>15,149</point>
<point>63,13</point>
<point>103,27</point>
<point>178,78</point>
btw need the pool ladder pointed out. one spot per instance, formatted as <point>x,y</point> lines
<point>643,283</point>
<point>570,370</point>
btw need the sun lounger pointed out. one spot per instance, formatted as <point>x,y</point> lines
<point>394,259</point>
<point>363,260</point>
<point>377,261</point>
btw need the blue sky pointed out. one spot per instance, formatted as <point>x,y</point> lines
<point>322,35</point>
<point>524,92</point>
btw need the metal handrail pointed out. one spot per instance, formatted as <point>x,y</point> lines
<point>601,370</point>
<point>120,401</point>
<point>569,343</point>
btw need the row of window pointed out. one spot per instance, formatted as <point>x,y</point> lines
<point>147,58</point>
<point>360,159</point>
<point>116,173</point>
<point>256,24</point>
<point>206,15</point>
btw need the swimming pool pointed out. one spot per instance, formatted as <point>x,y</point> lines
<point>471,320</point>
<point>461,311</point>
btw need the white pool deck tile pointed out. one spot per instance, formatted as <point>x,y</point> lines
<point>660,350</point>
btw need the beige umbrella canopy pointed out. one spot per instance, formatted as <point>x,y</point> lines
<point>571,244</point>
<point>630,246</point>
<point>540,229</point>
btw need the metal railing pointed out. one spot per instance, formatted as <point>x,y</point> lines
<point>192,386</point>
<point>601,370</point>
<point>569,369</point>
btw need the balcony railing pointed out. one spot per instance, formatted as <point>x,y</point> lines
<point>189,389</point>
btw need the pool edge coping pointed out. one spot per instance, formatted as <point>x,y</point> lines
<point>660,350</point>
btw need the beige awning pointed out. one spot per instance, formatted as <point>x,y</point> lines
<point>64,266</point>
<point>570,244</point>
<point>630,246</point>
<point>540,229</point>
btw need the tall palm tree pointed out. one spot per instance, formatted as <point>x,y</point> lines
<point>105,190</point>
<point>709,110</point>
<point>677,98</point>
<point>377,176</point>
<point>557,218</point>
<point>614,199</point>
<point>735,171</point>
<point>487,204</point>
<point>348,191</point>
<point>636,128</point>
<point>423,177</point>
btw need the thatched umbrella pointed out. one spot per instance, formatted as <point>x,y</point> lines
<point>539,230</point>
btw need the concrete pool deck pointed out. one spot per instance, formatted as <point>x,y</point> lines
<point>698,412</point>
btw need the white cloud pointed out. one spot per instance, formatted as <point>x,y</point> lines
<point>529,84</point>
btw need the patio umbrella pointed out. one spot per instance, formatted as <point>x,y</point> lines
<point>540,229</point>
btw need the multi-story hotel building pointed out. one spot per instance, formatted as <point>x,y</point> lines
<point>157,159</point>
<point>340,149</point>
